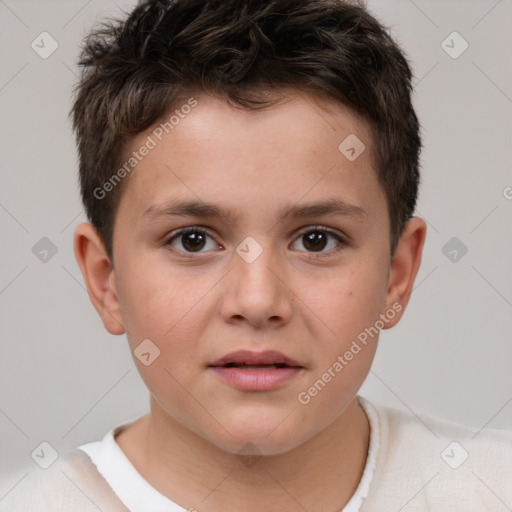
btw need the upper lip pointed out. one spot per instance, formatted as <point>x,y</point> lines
<point>249,358</point>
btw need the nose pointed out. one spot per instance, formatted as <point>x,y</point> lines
<point>256,293</point>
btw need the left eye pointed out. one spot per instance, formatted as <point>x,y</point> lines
<point>317,240</point>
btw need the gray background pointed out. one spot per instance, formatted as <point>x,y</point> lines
<point>65,380</point>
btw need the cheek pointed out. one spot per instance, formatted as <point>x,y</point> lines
<point>157,303</point>
<point>173,316</point>
<point>349,301</point>
<point>347,309</point>
<point>174,324</point>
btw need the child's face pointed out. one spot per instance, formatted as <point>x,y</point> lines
<point>309,298</point>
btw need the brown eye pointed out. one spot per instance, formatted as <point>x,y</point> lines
<point>315,241</point>
<point>319,241</point>
<point>194,241</point>
<point>191,240</point>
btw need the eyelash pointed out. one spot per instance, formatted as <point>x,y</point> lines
<point>342,241</point>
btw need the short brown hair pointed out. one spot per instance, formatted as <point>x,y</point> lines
<point>135,70</point>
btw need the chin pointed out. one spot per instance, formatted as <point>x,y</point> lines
<point>260,438</point>
<point>247,446</point>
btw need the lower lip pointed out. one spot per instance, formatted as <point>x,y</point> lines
<point>255,380</point>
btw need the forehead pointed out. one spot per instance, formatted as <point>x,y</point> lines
<point>215,150</point>
<point>297,116</point>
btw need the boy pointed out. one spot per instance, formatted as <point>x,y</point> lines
<point>250,171</point>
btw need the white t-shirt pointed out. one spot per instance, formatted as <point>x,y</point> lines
<point>138,496</point>
<point>415,463</point>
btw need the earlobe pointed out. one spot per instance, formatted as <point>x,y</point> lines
<point>404,267</point>
<point>99,276</point>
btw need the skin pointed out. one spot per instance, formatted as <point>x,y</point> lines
<point>198,306</point>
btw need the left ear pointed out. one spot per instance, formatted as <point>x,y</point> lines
<point>404,267</point>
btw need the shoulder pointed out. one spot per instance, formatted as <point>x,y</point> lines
<point>71,484</point>
<point>426,463</point>
<point>423,433</point>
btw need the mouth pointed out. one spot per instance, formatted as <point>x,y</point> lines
<point>255,366</point>
<point>253,371</point>
<point>249,359</point>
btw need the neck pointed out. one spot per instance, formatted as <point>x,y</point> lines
<point>320,474</point>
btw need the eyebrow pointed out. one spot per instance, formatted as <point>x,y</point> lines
<point>329,207</point>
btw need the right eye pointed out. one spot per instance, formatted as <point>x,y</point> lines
<point>191,240</point>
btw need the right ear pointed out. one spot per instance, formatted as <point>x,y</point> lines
<point>99,276</point>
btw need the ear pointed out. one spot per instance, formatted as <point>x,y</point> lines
<point>99,276</point>
<point>404,267</point>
